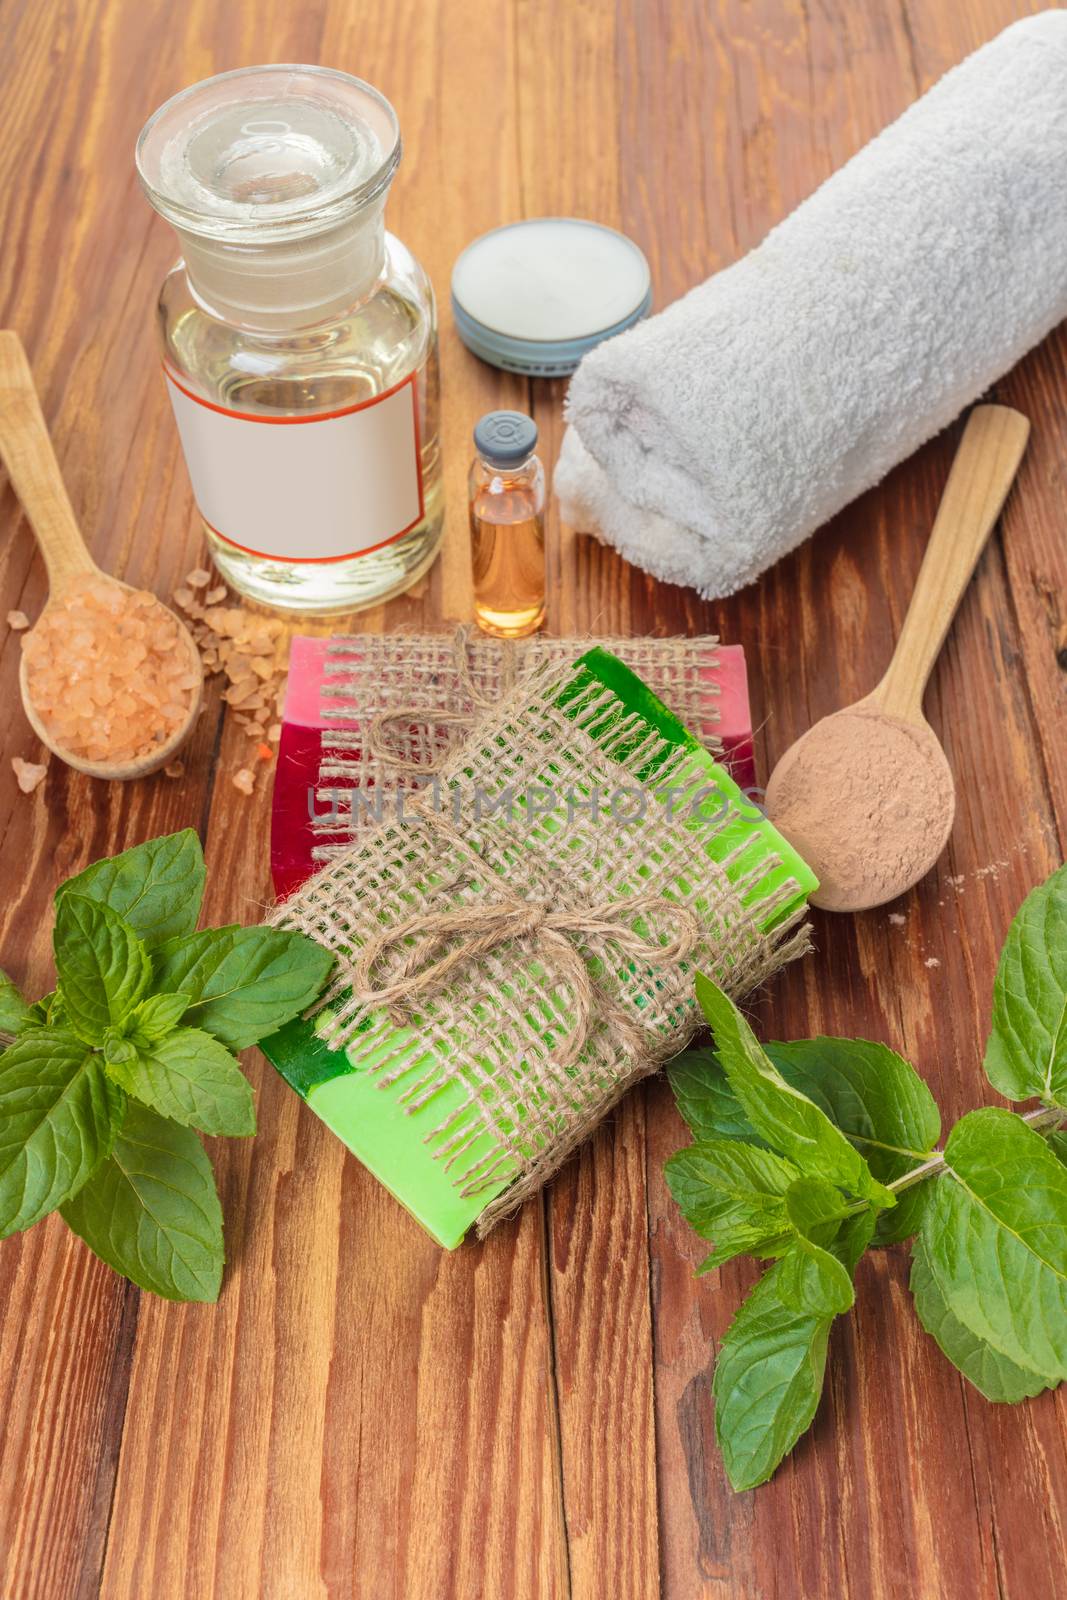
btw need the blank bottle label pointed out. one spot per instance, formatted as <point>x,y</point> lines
<point>316,488</point>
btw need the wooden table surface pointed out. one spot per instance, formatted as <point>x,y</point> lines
<point>362,1414</point>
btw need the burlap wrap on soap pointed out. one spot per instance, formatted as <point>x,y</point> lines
<point>396,705</point>
<point>544,962</point>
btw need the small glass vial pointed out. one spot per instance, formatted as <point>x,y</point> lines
<point>299,338</point>
<point>507,517</point>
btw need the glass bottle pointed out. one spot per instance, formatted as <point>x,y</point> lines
<point>299,337</point>
<point>507,505</point>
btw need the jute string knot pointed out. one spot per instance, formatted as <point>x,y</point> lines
<point>379,739</point>
<point>448,939</point>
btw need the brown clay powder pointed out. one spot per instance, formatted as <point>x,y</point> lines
<point>868,801</point>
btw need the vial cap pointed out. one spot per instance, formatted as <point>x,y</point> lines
<point>505,438</point>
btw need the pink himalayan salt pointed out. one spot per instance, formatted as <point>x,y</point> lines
<point>28,774</point>
<point>108,672</point>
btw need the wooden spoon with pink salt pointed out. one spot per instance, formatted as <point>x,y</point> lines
<point>867,796</point>
<point>111,680</point>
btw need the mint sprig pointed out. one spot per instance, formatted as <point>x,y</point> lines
<point>809,1152</point>
<point>111,1075</point>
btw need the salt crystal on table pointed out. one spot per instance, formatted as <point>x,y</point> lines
<point>17,620</point>
<point>28,774</point>
<point>198,578</point>
<point>244,781</point>
<point>252,653</point>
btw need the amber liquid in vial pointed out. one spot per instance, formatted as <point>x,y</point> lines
<point>508,557</point>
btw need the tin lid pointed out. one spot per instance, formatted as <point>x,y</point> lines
<point>534,296</point>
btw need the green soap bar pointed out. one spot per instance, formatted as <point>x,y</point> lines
<point>370,1117</point>
<point>341,1088</point>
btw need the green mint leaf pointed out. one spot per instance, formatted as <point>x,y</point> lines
<point>157,1016</point>
<point>1057,1143</point>
<point>995,1238</point>
<point>853,1237</point>
<point>816,1209</point>
<point>156,887</point>
<point>244,983</point>
<point>768,1379</point>
<point>812,1280</point>
<point>14,1011</point>
<point>991,1373</point>
<point>45,1012</point>
<point>190,1077</point>
<point>102,966</point>
<point>152,1211</point>
<point>786,1118</point>
<point>1027,1050</point>
<point>817,1270</point>
<point>705,1099</point>
<point>117,1048</point>
<point>58,1118</point>
<point>732,1193</point>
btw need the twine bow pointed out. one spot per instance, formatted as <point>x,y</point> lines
<point>448,940</point>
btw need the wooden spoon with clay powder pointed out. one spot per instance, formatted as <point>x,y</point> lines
<point>867,795</point>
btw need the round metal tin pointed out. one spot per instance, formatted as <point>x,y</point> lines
<point>534,296</point>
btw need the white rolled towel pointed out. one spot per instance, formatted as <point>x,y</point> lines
<point>713,438</point>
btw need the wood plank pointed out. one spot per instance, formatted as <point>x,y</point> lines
<point>598,1267</point>
<point>64,1351</point>
<point>336,1425</point>
<point>880,1477</point>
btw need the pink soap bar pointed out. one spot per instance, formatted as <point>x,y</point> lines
<point>297,798</point>
<point>734,726</point>
<point>296,770</point>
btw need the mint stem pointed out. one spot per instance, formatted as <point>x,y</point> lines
<point>1045,1117</point>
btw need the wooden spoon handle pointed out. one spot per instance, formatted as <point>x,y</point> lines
<point>982,472</point>
<point>26,451</point>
